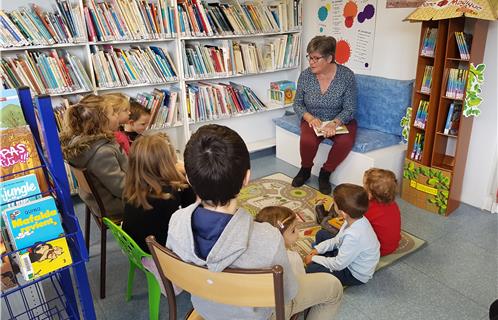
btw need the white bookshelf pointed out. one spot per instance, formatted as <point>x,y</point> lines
<point>256,128</point>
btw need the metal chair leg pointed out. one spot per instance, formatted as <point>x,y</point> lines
<point>87,228</point>
<point>103,246</point>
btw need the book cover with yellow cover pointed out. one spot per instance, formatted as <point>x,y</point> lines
<point>43,258</point>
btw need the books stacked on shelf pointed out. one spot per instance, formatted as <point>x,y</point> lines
<point>115,67</point>
<point>33,26</point>
<point>198,18</point>
<point>52,72</point>
<point>463,40</point>
<point>11,114</point>
<point>210,101</point>
<point>282,92</point>
<point>455,87</point>
<point>427,80</point>
<point>429,42</point>
<point>422,113</point>
<point>164,106</point>
<point>129,20</point>
<point>453,118</point>
<point>35,230</point>
<point>418,147</point>
<point>233,57</point>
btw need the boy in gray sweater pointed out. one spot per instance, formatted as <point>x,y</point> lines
<point>214,232</point>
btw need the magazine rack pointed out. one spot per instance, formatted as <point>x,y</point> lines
<point>58,298</point>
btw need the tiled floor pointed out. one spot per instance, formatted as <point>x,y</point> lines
<point>455,276</point>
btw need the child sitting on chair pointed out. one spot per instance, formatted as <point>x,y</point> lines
<point>353,253</point>
<point>383,212</point>
<point>284,219</point>
<point>134,127</point>
<point>154,189</point>
<point>88,143</point>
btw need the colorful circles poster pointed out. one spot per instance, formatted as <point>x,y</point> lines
<point>352,24</point>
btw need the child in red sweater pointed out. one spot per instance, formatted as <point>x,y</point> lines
<point>383,212</point>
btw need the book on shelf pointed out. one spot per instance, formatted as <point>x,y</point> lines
<point>427,80</point>
<point>52,72</point>
<point>453,118</point>
<point>11,114</point>
<point>429,42</point>
<point>339,130</point>
<point>283,92</point>
<point>418,147</point>
<point>29,226</point>
<point>422,113</point>
<point>18,191</point>
<point>463,41</point>
<point>457,80</point>
<point>163,105</point>
<point>32,26</point>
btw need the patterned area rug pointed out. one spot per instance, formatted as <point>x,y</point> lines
<point>276,189</point>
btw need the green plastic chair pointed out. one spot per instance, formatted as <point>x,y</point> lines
<point>135,255</point>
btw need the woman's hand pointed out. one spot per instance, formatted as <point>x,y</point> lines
<point>330,128</point>
<point>315,123</point>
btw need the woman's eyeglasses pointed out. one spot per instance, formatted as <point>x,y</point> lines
<point>313,59</point>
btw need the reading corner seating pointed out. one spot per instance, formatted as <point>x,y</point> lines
<point>381,105</point>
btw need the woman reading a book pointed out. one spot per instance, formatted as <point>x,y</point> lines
<point>326,104</point>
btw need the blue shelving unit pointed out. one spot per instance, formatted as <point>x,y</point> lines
<point>55,292</point>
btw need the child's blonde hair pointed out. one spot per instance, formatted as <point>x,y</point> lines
<point>118,101</point>
<point>278,216</point>
<point>89,117</point>
<point>381,184</point>
<point>151,166</point>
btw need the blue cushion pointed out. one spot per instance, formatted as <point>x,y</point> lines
<point>382,103</point>
<point>366,139</point>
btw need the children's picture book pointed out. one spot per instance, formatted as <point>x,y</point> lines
<point>338,130</point>
<point>43,258</point>
<point>25,188</point>
<point>11,114</point>
<point>33,222</point>
<point>7,273</point>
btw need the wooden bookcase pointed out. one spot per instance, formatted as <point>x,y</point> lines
<point>434,182</point>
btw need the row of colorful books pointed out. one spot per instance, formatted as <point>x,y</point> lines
<point>422,114</point>
<point>32,26</point>
<point>233,57</point>
<point>31,225</point>
<point>455,87</point>
<point>49,72</point>
<point>164,106</point>
<point>129,20</point>
<point>426,80</point>
<point>198,18</point>
<point>463,40</point>
<point>429,42</point>
<point>453,118</point>
<point>418,147</point>
<point>210,101</point>
<point>115,67</point>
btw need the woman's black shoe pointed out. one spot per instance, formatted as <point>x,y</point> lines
<point>324,182</point>
<point>302,176</point>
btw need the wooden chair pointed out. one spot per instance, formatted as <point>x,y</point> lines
<point>239,287</point>
<point>84,183</point>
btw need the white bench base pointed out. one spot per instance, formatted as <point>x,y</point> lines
<point>352,168</point>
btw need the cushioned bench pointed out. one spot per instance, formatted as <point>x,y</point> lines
<point>381,105</point>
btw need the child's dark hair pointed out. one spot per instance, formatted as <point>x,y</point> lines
<point>278,216</point>
<point>381,184</point>
<point>137,110</point>
<point>352,199</point>
<point>216,161</point>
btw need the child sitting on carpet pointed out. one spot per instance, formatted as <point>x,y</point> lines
<point>383,212</point>
<point>353,254</point>
<point>134,127</point>
<point>284,219</point>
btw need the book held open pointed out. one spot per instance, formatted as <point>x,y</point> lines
<point>338,130</point>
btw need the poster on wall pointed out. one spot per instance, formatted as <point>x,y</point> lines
<point>352,24</point>
<point>404,3</point>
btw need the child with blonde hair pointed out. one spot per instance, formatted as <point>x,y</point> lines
<point>383,212</point>
<point>284,219</point>
<point>88,143</point>
<point>154,189</point>
<point>134,127</point>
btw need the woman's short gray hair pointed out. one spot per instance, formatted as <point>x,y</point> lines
<point>325,45</point>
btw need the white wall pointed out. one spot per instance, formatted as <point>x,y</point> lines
<point>395,56</point>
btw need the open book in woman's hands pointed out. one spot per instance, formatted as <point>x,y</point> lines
<point>338,130</point>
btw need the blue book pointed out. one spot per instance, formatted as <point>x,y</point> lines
<point>25,188</point>
<point>33,222</point>
<point>447,126</point>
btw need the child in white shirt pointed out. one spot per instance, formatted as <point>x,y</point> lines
<point>354,252</point>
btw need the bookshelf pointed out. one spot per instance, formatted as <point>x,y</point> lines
<point>184,23</point>
<point>434,181</point>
